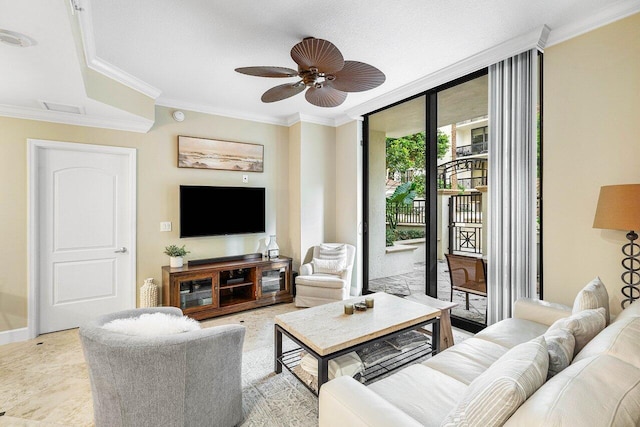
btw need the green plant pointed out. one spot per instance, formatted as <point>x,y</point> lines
<point>175,251</point>
<point>390,237</point>
<point>409,234</point>
<point>403,195</point>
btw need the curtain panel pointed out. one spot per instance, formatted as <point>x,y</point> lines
<point>511,264</point>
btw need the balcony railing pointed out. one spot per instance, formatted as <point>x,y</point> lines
<point>475,148</point>
<point>474,168</point>
<point>408,214</point>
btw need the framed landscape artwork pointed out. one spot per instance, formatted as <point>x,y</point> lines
<point>204,153</point>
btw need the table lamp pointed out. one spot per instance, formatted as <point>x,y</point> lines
<point>619,209</point>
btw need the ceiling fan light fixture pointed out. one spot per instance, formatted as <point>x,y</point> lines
<point>323,72</point>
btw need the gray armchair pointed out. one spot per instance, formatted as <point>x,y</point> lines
<point>185,379</point>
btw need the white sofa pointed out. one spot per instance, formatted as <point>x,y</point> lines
<point>601,386</point>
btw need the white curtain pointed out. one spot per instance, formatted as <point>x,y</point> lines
<point>511,264</point>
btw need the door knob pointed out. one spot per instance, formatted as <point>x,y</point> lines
<point>122,250</point>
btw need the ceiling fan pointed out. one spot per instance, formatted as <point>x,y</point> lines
<point>322,71</point>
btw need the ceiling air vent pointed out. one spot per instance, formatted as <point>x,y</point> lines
<point>15,39</point>
<point>62,108</point>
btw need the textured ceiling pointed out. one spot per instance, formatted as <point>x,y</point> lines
<point>189,49</point>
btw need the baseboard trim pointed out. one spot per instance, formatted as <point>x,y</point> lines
<point>14,335</point>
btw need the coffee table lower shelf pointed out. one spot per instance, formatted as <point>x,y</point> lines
<point>291,361</point>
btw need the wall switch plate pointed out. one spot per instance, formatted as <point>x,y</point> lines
<point>245,178</point>
<point>165,226</point>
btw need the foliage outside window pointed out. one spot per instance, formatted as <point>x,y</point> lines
<point>403,196</point>
<point>408,154</point>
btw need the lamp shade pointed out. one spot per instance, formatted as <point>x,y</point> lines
<point>618,208</point>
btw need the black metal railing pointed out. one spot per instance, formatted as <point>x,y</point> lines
<point>465,223</point>
<point>474,148</point>
<point>470,173</point>
<point>408,214</point>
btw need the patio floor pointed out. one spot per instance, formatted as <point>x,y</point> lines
<point>414,283</point>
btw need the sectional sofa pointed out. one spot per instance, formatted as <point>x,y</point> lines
<point>548,365</point>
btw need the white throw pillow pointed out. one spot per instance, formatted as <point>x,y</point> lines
<point>593,295</point>
<point>497,393</point>
<point>560,345</point>
<point>331,252</point>
<point>152,325</point>
<point>584,325</point>
<point>328,266</point>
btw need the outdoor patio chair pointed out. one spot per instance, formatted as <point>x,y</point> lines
<point>468,275</point>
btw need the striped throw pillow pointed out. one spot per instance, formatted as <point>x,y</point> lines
<point>560,344</point>
<point>584,325</point>
<point>330,252</point>
<point>498,392</point>
<point>593,295</point>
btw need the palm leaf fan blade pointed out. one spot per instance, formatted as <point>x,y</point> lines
<point>268,71</point>
<point>357,76</point>
<point>317,53</point>
<point>278,93</point>
<point>325,96</point>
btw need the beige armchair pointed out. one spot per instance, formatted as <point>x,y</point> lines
<point>327,277</point>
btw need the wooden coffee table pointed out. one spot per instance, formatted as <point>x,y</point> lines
<point>446,333</point>
<point>326,332</point>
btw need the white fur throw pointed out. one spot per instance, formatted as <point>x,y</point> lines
<point>152,325</point>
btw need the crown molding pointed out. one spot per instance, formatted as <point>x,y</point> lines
<point>605,16</point>
<point>207,109</point>
<point>306,118</point>
<point>100,65</point>
<point>139,126</point>
<point>272,120</point>
<point>344,119</point>
<point>533,39</point>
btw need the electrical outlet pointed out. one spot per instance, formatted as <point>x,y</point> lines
<point>245,178</point>
<point>165,226</point>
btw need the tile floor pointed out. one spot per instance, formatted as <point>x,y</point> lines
<point>44,381</point>
<point>414,283</point>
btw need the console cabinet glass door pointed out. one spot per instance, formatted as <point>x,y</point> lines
<point>197,291</point>
<point>273,280</point>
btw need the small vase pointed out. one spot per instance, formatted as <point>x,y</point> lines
<point>175,261</point>
<point>262,248</point>
<point>273,249</point>
<point>149,294</point>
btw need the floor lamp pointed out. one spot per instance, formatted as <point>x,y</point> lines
<point>619,209</point>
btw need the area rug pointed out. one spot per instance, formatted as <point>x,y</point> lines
<point>271,399</point>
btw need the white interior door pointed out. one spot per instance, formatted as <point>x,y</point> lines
<point>85,232</point>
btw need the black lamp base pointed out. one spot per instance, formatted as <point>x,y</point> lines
<point>631,276</point>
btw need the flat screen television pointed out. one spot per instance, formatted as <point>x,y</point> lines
<point>215,211</point>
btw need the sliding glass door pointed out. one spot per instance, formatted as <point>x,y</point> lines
<point>396,198</point>
<point>462,199</point>
<point>422,158</point>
